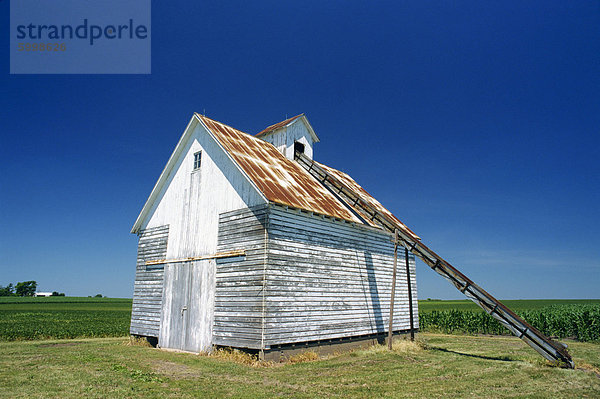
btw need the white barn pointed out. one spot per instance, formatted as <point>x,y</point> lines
<point>239,245</point>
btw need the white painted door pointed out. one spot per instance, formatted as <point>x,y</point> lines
<point>186,317</point>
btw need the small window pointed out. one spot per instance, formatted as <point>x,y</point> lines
<point>298,147</point>
<point>197,160</point>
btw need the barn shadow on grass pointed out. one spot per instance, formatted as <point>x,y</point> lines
<point>498,358</point>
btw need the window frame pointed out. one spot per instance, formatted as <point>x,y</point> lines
<point>197,161</point>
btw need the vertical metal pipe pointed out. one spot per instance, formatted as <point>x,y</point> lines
<point>410,300</point>
<point>393,294</point>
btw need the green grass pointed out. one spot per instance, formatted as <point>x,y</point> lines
<point>450,366</point>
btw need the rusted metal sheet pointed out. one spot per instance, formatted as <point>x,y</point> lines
<point>281,181</point>
<point>278,125</point>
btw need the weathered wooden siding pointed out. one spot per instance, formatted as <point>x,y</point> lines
<point>313,278</point>
<point>190,201</point>
<point>239,299</point>
<point>147,292</point>
<point>330,279</point>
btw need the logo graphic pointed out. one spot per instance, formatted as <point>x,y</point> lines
<point>80,36</point>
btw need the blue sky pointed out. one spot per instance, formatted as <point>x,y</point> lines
<point>476,123</point>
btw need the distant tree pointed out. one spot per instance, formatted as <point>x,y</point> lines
<point>98,296</point>
<point>55,293</point>
<point>26,288</point>
<point>9,290</point>
<point>61,294</point>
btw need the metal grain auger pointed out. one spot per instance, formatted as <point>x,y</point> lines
<point>551,350</point>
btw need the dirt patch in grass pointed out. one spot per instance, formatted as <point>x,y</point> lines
<point>183,371</point>
<point>173,370</point>
<point>60,344</point>
<point>588,368</point>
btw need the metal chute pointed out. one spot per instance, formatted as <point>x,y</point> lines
<point>551,350</point>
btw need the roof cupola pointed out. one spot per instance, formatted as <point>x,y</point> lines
<point>290,135</point>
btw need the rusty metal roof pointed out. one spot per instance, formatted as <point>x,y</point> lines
<point>281,181</point>
<point>285,182</point>
<point>278,125</point>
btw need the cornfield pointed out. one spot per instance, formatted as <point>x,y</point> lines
<point>581,322</point>
<point>60,317</point>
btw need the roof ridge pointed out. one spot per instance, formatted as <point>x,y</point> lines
<point>231,127</point>
<point>225,124</point>
<point>278,125</point>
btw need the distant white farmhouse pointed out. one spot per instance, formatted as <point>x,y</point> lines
<point>42,294</point>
